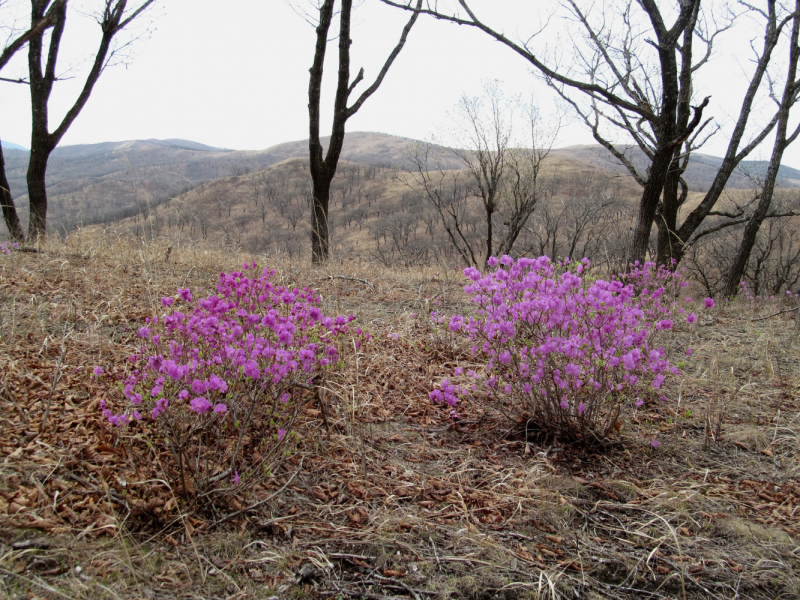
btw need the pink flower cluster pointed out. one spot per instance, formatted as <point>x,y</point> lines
<point>562,347</point>
<point>250,339</point>
<point>5,247</point>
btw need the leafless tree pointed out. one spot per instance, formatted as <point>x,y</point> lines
<point>15,42</point>
<point>295,211</point>
<point>783,139</point>
<point>281,203</point>
<point>576,220</point>
<point>114,16</point>
<point>396,234</point>
<point>257,186</point>
<point>634,71</point>
<point>272,183</point>
<point>774,261</point>
<point>504,178</point>
<point>323,165</point>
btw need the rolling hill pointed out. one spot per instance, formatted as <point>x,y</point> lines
<point>10,146</point>
<point>378,211</point>
<point>207,188</point>
<point>699,174</point>
<point>101,183</point>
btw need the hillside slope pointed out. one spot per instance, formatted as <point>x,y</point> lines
<point>699,174</point>
<point>103,183</point>
<point>98,183</point>
<point>377,211</point>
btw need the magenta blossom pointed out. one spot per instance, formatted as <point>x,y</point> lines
<point>200,405</point>
<point>551,338</point>
<point>241,350</point>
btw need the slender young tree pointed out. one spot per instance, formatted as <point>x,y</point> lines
<point>323,165</point>
<point>501,176</point>
<point>782,141</point>
<point>114,16</point>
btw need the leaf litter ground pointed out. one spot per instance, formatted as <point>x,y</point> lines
<point>385,495</point>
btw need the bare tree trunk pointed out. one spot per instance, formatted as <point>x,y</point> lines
<point>115,17</point>
<point>37,193</point>
<point>732,283</point>
<point>667,216</point>
<point>323,168</point>
<point>320,241</point>
<point>7,202</point>
<point>648,205</point>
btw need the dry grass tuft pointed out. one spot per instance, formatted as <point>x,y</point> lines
<point>393,499</point>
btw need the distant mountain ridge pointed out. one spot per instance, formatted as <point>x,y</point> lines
<point>699,174</point>
<point>11,146</point>
<point>96,183</point>
<point>93,183</point>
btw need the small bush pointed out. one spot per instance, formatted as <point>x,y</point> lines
<point>566,353</point>
<point>218,382</point>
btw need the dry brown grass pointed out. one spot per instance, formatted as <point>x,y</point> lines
<point>394,500</point>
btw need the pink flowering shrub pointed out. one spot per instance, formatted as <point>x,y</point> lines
<point>5,247</point>
<point>219,380</point>
<point>565,353</point>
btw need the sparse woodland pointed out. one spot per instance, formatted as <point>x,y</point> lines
<point>372,368</point>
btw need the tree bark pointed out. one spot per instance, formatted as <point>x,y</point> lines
<point>320,242</point>
<point>41,85</point>
<point>7,203</point>
<point>648,205</point>
<point>37,193</point>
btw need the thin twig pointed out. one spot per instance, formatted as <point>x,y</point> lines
<point>56,378</point>
<point>261,502</point>
<point>364,281</point>
<point>776,314</point>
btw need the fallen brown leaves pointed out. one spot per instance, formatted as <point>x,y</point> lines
<point>393,498</point>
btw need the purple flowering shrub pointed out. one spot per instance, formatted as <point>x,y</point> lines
<point>219,380</point>
<point>5,247</point>
<point>565,353</point>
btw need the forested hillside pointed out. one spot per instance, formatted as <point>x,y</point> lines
<point>378,212</point>
<point>103,183</point>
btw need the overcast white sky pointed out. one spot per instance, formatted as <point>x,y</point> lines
<point>234,74</point>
